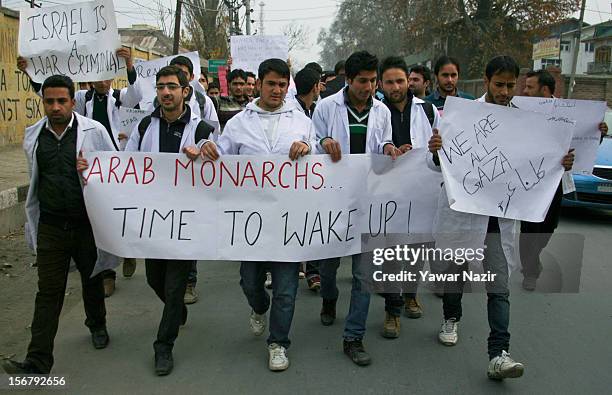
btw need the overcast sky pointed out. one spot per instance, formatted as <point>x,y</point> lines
<point>313,14</point>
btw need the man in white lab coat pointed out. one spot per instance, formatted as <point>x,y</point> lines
<point>476,231</point>
<point>352,122</point>
<point>268,126</point>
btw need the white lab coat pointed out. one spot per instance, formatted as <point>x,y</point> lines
<point>420,128</point>
<point>129,97</point>
<point>244,133</point>
<point>330,119</point>
<point>91,136</point>
<point>455,229</point>
<point>150,139</point>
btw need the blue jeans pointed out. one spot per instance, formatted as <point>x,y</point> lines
<point>355,324</point>
<point>498,305</point>
<point>284,288</point>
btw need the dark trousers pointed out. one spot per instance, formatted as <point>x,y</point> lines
<point>193,274</point>
<point>284,288</point>
<point>312,268</point>
<point>56,246</point>
<point>168,278</point>
<point>536,235</point>
<point>498,305</point>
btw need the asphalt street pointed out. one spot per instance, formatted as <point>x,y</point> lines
<point>562,338</point>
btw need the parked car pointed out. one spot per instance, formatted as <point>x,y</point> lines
<point>595,190</point>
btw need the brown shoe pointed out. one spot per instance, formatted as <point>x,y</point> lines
<point>109,286</point>
<point>129,267</point>
<point>413,308</point>
<point>391,326</point>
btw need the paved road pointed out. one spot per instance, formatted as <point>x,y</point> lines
<point>563,339</point>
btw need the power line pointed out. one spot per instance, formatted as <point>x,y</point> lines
<point>303,9</point>
<point>300,19</point>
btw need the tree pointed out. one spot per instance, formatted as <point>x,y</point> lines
<point>205,31</point>
<point>298,36</point>
<point>471,30</point>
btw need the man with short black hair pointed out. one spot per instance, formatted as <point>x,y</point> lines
<point>237,100</point>
<point>419,80</point>
<point>308,89</point>
<point>173,128</point>
<point>412,120</point>
<point>446,71</point>
<point>249,86</point>
<point>536,235</point>
<point>268,126</point>
<point>57,226</point>
<point>352,122</point>
<point>501,74</point>
<point>338,83</point>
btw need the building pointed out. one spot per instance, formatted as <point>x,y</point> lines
<point>557,49</point>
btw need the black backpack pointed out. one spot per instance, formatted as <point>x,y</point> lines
<point>142,129</point>
<point>89,95</point>
<point>428,108</point>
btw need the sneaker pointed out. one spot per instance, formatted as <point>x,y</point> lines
<point>448,332</point>
<point>278,358</point>
<point>355,351</point>
<point>129,267</point>
<point>302,273</point>
<point>391,326</point>
<point>413,308</point>
<point>314,282</point>
<point>164,363</point>
<point>109,286</point>
<point>99,338</point>
<point>191,295</point>
<point>268,282</point>
<point>529,283</point>
<point>328,311</point>
<point>258,323</point>
<point>504,367</point>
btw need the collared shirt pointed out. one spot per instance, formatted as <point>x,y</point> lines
<point>437,100</point>
<point>358,124</point>
<point>59,188</point>
<point>307,111</point>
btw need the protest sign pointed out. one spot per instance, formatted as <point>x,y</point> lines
<point>77,40</point>
<point>587,114</point>
<point>255,208</point>
<point>222,73</point>
<point>147,71</point>
<point>249,51</point>
<point>128,120</point>
<point>501,161</point>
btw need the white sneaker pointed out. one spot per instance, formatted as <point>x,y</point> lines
<point>258,323</point>
<point>448,332</point>
<point>504,367</point>
<point>268,283</point>
<point>278,357</point>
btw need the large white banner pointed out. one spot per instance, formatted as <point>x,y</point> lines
<point>255,208</point>
<point>501,161</point>
<point>249,51</point>
<point>147,71</point>
<point>78,40</point>
<point>587,114</point>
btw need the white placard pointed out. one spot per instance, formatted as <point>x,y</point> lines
<point>78,40</point>
<point>587,114</point>
<point>501,161</point>
<point>255,208</point>
<point>249,51</point>
<point>128,120</point>
<point>147,71</point>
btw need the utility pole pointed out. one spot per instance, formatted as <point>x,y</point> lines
<point>261,18</point>
<point>572,81</point>
<point>247,4</point>
<point>177,27</point>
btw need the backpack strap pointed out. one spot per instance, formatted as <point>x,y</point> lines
<point>142,129</point>
<point>201,102</point>
<point>117,96</point>
<point>88,96</point>
<point>428,108</point>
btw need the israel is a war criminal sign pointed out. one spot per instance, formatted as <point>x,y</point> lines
<point>501,161</point>
<point>77,40</point>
